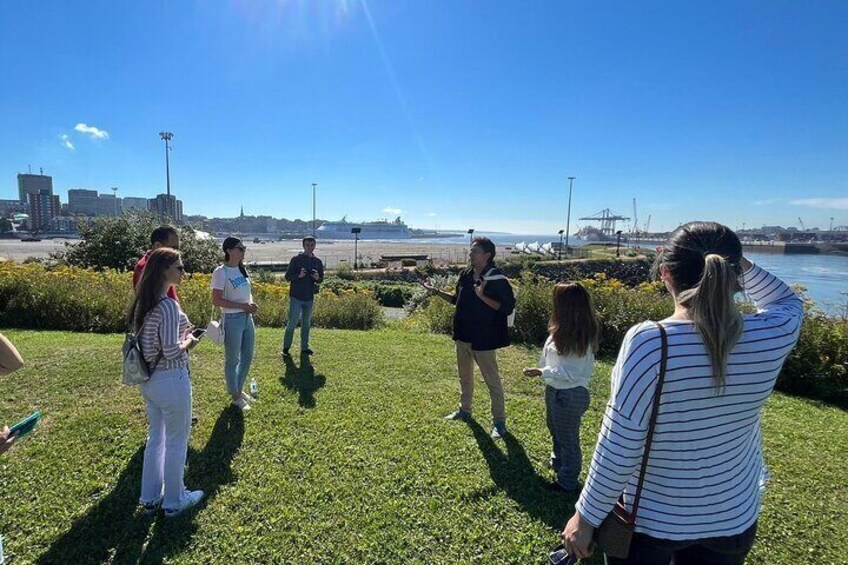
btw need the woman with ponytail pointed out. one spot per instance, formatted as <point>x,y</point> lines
<point>700,497</point>
<point>231,292</point>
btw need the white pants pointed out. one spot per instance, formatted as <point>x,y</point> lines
<point>168,398</point>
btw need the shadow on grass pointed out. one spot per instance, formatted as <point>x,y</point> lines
<point>513,473</point>
<point>302,379</point>
<point>116,531</point>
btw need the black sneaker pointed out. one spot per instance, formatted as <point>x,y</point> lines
<point>557,488</point>
<point>307,352</point>
<point>194,420</point>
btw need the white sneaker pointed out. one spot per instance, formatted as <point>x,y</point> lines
<point>241,404</point>
<point>189,499</point>
<point>247,398</point>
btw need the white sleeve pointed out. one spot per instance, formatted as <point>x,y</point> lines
<point>219,279</point>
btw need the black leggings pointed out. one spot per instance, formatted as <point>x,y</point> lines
<point>729,550</point>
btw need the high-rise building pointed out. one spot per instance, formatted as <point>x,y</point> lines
<point>159,206</point>
<point>43,207</point>
<point>33,184</point>
<point>82,201</point>
<point>133,203</point>
<point>108,205</point>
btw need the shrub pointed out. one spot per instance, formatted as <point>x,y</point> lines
<point>408,263</point>
<point>345,272</point>
<point>818,366</point>
<point>351,311</point>
<point>117,243</point>
<point>69,298</point>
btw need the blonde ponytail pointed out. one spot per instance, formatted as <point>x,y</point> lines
<point>713,310</point>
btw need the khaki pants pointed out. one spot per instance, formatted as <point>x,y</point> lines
<point>488,363</point>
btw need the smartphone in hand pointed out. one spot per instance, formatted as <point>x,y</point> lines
<point>198,332</point>
<point>26,425</point>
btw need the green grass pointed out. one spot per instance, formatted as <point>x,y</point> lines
<point>347,463</point>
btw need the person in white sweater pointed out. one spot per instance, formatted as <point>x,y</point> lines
<point>566,365</point>
<point>701,493</point>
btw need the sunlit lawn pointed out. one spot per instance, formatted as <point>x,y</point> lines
<point>347,462</point>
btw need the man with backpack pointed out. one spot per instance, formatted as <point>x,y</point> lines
<point>484,300</point>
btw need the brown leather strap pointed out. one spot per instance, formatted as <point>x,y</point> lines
<point>653,420</point>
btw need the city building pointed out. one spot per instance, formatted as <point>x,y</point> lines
<point>33,184</point>
<point>82,201</point>
<point>108,205</point>
<point>9,207</point>
<point>43,207</point>
<point>63,224</point>
<point>160,207</point>
<point>132,203</point>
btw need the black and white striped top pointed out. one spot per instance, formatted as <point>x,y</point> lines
<point>162,330</point>
<point>702,477</point>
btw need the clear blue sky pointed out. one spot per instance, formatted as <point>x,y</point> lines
<point>457,113</point>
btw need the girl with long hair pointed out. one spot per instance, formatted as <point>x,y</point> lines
<point>700,498</point>
<point>165,338</point>
<point>566,365</point>
<point>231,292</point>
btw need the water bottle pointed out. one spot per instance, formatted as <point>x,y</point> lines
<point>254,388</point>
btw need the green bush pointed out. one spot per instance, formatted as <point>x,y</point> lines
<point>117,243</point>
<point>818,366</point>
<point>408,263</point>
<point>353,311</point>
<point>68,298</point>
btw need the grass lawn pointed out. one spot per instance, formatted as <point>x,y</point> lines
<point>349,462</point>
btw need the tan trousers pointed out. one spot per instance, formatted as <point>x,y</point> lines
<point>488,363</point>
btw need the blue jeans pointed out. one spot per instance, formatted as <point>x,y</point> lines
<point>299,310</point>
<point>239,341</point>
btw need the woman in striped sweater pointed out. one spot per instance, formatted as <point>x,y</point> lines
<point>165,341</point>
<point>701,497</point>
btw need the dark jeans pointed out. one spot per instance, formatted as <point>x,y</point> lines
<point>729,550</point>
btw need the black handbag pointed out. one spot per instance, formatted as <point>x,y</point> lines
<point>615,533</point>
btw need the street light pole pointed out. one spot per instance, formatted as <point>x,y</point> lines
<point>314,187</point>
<point>559,257</point>
<point>568,217</point>
<point>167,136</point>
<point>470,236</point>
<point>355,232</point>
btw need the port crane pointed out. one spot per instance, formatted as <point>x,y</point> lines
<point>608,218</point>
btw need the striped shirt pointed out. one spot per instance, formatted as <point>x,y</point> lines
<point>161,333</point>
<point>703,471</point>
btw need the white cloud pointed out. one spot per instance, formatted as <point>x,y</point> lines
<point>95,133</point>
<point>432,214</point>
<point>837,203</point>
<point>66,143</point>
<point>392,211</point>
<point>768,201</point>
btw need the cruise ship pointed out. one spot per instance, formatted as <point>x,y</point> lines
<point>381,229</point>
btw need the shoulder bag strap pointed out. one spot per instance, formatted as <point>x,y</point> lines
<point>653,421</point>
<point>138,337</point>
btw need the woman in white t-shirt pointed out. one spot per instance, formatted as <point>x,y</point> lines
<point>566,365</point>
<point>231,292</point>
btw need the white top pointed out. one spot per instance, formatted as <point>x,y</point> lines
<point>235,287</point>
<point>161,332</point>
<point>565,371</point>
<point>703,472</point>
